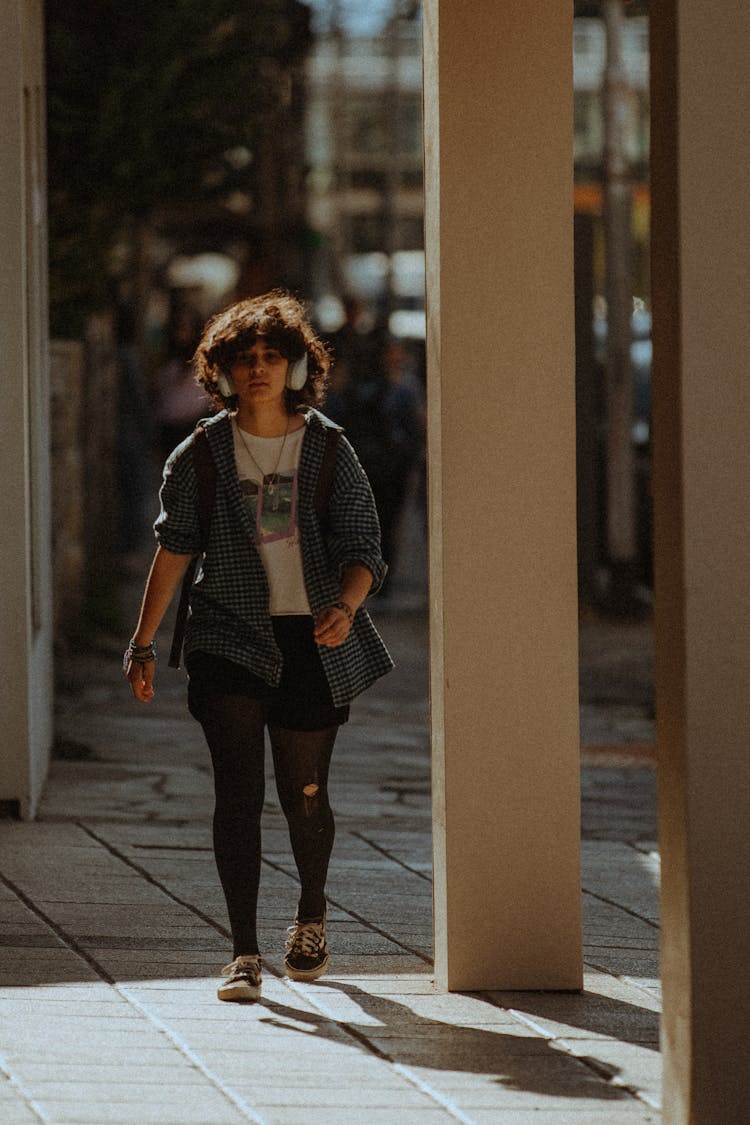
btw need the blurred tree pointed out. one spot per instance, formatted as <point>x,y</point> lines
<point>617,177</point>
<point>617,180</point>
<point>151,103</point>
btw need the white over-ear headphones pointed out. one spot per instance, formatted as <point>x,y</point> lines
<point>296,374</point>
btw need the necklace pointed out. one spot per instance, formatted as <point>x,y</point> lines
<point>268,481</point>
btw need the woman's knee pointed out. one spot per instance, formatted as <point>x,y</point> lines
<point>305,803</point>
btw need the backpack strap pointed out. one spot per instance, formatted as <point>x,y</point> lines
<point>324,482</point>
<point>205,475</point>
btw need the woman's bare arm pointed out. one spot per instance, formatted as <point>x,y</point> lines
<point>167,571</point>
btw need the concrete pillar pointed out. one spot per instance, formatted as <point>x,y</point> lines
<point>701,273</point>
<point>499,237</point>
<point>68,486</point>
<point>25,605</point>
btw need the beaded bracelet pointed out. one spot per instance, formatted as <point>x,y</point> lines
<point>138,654</point>
<point>347,610</point>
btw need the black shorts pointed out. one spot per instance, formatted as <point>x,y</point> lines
<point>302,700</point>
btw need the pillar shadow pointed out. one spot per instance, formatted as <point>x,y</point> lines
<point>524,1062</point>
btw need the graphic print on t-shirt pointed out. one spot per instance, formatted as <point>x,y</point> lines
<point>273,508</point>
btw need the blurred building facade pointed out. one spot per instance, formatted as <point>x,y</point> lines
<point>589,64</point>
<point>365,202</point>
<point>611,84</point>
<point>256,218</point>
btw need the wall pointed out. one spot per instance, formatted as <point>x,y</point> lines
<point>26,607</point>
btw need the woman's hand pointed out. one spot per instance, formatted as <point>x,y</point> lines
<point>141,679</point>
<point>333,625</point>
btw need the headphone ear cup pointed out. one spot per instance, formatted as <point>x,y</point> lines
<point>296,375</point>
<point>224,383</point>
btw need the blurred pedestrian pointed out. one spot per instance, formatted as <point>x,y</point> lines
<point>133,438</point>
<point>181,402</point>
<point>385,423</point>
<point>278,635</point>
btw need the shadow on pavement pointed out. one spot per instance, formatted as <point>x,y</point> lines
<point>516,1061</point>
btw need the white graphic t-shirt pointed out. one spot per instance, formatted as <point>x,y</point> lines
<point>268,469</point>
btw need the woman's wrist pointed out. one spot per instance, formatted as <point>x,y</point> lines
<point>139,645</point>
<point>347,608</point>
<point>142,638</point>
<point>138,654</point>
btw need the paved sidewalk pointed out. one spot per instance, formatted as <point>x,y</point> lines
<point>114,930</point>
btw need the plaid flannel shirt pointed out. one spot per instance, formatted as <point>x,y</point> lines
<point>229,614</point>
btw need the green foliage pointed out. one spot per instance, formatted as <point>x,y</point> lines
<point>146,102</point>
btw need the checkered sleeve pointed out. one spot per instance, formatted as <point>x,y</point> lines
<point>354,529</point>
<point>177,528</point>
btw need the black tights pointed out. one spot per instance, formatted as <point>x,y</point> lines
<point>234,728</point>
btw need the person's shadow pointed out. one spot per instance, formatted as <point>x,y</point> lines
<point>510,1054</point>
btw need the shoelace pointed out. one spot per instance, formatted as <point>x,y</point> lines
<point>242,967</point>
<point>307,938</point>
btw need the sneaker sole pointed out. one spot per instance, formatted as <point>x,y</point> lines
<point>239,991</point>
<point>305,974</point>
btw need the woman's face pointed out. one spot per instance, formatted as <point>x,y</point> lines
<point>259,375</point>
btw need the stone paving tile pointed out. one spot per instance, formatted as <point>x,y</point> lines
<point>394,986</point>
<point>147,957</point>
<point>40,1013</point>
<point>112,1073</point>
<point>631,1114</point>
<point>618,804</point>
<point>636,877</point>
<point>11,1096</point>
<point>588,1016</point>
<point>218,1112</point>
<point>584,1091</point>
<point>631,1065</point>
<point>308,1072</point>
<point>456,1009</point>
<point>156,972</point>
<point>203,1096</point>
<point>65,1039</point>
<point>403,965</point>
<point>520,1083</point>
<point>325,1115</point>
<point>402,1100</point>
<point>45,971</point>
<point>58,993</point>
<point>127,1056</point>
<point>18,1113</point>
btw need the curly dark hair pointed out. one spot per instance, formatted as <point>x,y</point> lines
<point>281,320</point>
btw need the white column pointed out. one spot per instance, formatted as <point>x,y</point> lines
<point>25,606</point>
<point>499,230</point>
<point>701,286</point>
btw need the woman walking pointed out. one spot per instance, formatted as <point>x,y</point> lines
<point>277,635</point>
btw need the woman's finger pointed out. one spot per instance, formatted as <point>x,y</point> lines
<point>332,627</point>
<point>326,621</point>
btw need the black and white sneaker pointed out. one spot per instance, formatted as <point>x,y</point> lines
<point>306,950</point>
<point>243,979</point>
